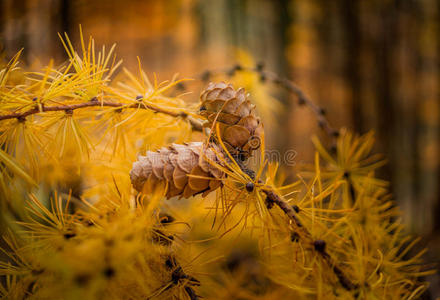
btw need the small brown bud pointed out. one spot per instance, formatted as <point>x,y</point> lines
<point>295,208</point>
<point>250,187</point>
<point>260,66</point>
<point>69,235</point>
<point>109,272</point>
<point>294,237</point>
<point>238,67</point>
<point>319,245</point>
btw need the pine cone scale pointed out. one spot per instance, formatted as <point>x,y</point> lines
<point>186,169</point>
<point>194,168</point>
<point>235,114</point>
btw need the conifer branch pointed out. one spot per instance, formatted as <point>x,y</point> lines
<point>285,83</point>
<point>318,245</point>
<point>69,108</point>
<point>302,98</point>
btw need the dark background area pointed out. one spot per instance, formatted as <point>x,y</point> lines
<point>371,64</point>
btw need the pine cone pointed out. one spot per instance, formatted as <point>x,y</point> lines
<point>240,128</point>
<point>173,164</point>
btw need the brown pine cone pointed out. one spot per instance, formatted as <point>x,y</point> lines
<point>240,128</point>
<point>173,164</point>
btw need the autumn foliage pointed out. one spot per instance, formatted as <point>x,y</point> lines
<point>116,186</point>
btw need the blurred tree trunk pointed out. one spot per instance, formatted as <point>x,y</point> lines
<point>353,46</point>
<point>259,28</point>
<point>377,58</point>
<point>428,113</point>
<point>13,26</point>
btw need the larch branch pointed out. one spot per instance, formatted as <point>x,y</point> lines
<point>196,125</point>
<point>274,198</point>
<point>285,83</point>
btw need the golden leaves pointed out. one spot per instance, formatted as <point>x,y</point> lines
<point>119,245</point>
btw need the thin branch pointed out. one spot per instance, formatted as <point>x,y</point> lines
<point>273,198</point>
<point>302,98</point>
<point>69,108</point>
<point>318,245</point>
<point>178,275</point>
<point>285,83</point>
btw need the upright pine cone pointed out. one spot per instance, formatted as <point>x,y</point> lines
<point>173,164</point>
<point>240,128</point>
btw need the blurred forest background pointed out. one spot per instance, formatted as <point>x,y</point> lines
<point>371,64</point>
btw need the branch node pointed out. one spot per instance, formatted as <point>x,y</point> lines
<point>269,202</point>
<point>294,237</point>
<point>238,67</point>
<point>277,81</point>
<point>250,187</point>
<point>109,272</point>
<point>319,246</point>
<point>295,208</point>
<point>335,133</point>
<point>260,66</point>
